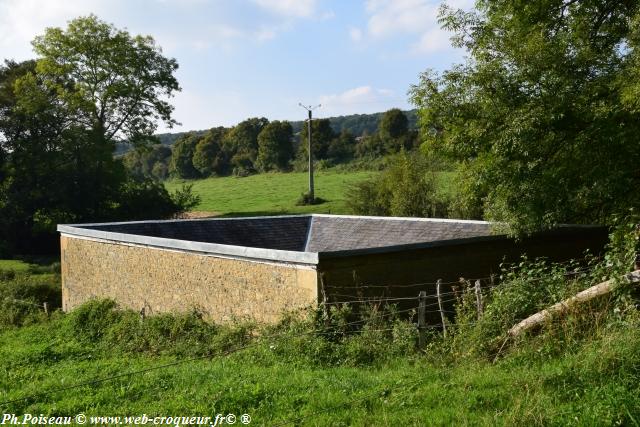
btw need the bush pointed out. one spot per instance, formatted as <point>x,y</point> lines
<point>22,297</point>
<point>531,286</point>
<point>306,200</point>
<point>102,323</point>
<point>341,337</point>
<point>406,188</point>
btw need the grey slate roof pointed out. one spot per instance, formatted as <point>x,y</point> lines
<point>335,233</point>
<point>283,233</point>
<point>304,233</point>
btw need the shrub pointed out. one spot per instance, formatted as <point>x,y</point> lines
<point>406,188</point>
<point>305,200</point>
<point>531,286</point>
<point>22,296</point>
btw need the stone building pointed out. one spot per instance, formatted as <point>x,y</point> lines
<point>258,267</point>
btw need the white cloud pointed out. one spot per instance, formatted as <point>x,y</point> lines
<point>434,40</point>
<point>400,16</point>
<point>417,18</point>
<point>355,34</point>
<point>361,99</point>
<point>293,8</point>
<point>22,20</point>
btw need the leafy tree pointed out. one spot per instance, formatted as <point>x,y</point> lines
<point>32,140</point>
<point>275,146</point>
<point>208,157</point>
<point>241,144</point>
<point>543,115</point>
<point>115,84</point>
<point>393,129</point>
<point>321,136</point>
<point>370,146</point>
<point>148,162</point>
<point>59,119</point>
<point>149,197</point>
<point>181,165</point>
<point>342,147</point>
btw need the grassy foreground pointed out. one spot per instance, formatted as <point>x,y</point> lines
<point>592,383</point>
<point>272,193</point>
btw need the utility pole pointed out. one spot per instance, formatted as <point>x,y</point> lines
<point>309,110</point>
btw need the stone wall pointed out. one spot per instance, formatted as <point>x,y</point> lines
<point>171,281</point>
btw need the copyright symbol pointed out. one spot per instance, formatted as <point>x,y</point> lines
<point>245,418</point>
<point>81,418</point>
<point>231,419</point>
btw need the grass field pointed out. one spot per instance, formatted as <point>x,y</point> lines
<point>272,193</point>
<point>277,193</point>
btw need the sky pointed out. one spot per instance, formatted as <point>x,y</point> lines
<point>261,58</point>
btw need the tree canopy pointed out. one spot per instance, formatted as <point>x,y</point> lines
<point>543,115</point>
<point>60,117</point>
<point>275,146</point>
<point>114,83</point>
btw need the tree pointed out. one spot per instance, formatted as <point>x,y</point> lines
<point>208,157</point>
<point>181,164</point>
<point>59,119</point>
<point>537,115</point>
<point>406,188</point>
<point>148,162</point>
<point>321,136</point>
<point>342,147</point>
<point>32,141</point>
<point>113,82</point>
<point>275,146</point>
<point>241,144</point>
<point>393,129</point>
<point>370,146</point>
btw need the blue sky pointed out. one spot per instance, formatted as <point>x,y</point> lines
<point>247,58</point>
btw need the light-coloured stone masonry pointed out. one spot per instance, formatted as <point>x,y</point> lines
<point>171,281</point>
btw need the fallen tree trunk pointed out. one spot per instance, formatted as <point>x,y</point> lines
<point>564,306</point>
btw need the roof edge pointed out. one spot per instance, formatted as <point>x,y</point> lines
<point>242,252</point>
<point>407,218</point>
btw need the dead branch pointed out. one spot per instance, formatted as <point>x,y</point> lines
<point>563,307</point>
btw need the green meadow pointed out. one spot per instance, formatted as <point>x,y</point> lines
<point>277,193</point>
<point>272,193</point>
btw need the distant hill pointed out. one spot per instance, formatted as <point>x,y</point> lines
<point>356,124</point>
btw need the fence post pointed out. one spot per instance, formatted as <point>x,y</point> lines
<point>325,308</point>
<point>442,317</point>
<point>45,306</point>
<point>479,299</point>
<point>422,318</point>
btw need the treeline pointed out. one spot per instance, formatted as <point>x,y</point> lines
<point>355,124</point>
<point>258,145</point>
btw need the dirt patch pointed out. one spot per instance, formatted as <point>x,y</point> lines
<point>199,214</point>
